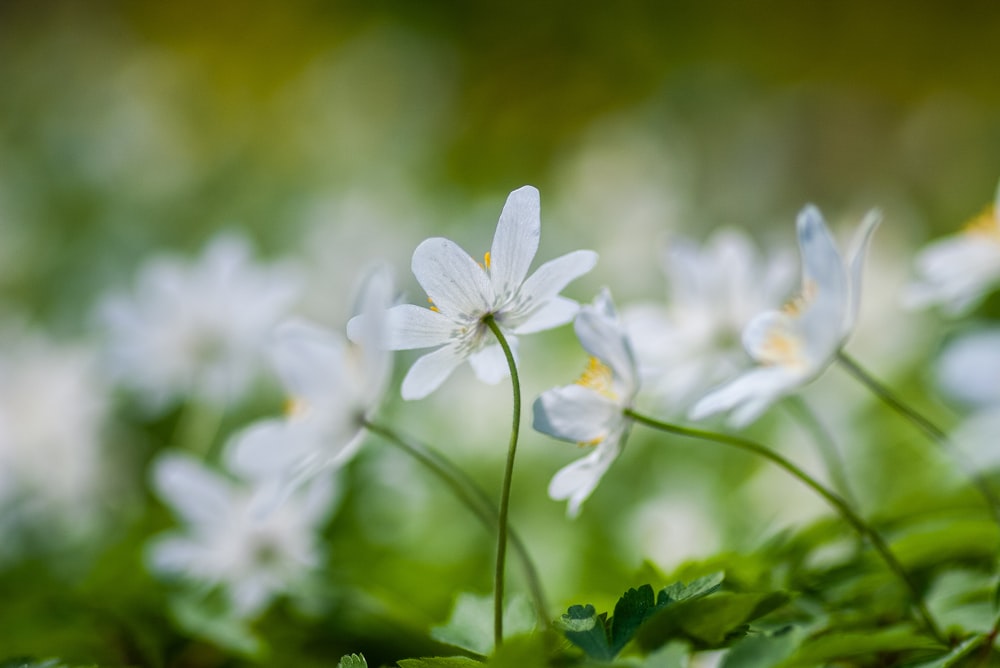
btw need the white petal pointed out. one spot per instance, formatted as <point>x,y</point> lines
<point>411,326</point>
<point>516,240</point>
<point>773,337</point>
<point>456,284</point>
<point>749,395</point>
<point>428,372</point>
<point>578,480</point>
<point>266,449</point>
<point>556,312</point>
<point>550,279</point>
<point>490,364</point>
<point>969,368</point>
<point>309,359</point>
<point>576,413</point>
<point>603,336</point>
<point>200,496</point>
<point>859,249</point>
<point>174,554</point>
<point>822,267</point>
<point>373,301</point>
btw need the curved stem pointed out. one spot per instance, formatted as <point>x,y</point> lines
<point>508,475</point>
<point>841,506</point>
<point>833,460</point>
<point>929,429</point>
<point>472,496</point>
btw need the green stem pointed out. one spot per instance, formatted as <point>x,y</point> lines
<point>472,496</point>
<point>828,450</point>
<point>841,506</point>
<point>508,475</point>
<point>929,429</point>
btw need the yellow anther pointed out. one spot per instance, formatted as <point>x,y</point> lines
<point>433,307</point>
<point>780,348</point>
<point>591,443</point>
<point>597,376</point>
<point>295,407</point>
<point>798,303</point>
<point>486,259</point>
<point>985,224</point>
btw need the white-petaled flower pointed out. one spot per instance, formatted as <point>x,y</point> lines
<point>968,369</point>
<point>692,342</point>
<point>196,328</point>
<point>53,407</point>
<point>794,345</point>
<point>226,543</point>
<point>463,293</point>
<point>590,412</point>
<point>333,386</point>
<point>956,272</point>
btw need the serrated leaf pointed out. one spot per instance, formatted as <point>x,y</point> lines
<point>709,621</point>
<point>352,661</point>
<point>702,586</point>
<point>439,662</point>
<point>589,631</point>
<point>471,623</point>
<point>836,646</point>
<point>633,608</point>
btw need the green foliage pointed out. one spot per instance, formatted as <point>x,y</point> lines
<point>604,638</point>
<point>352,661</point>
<point>28,662</point>
<point>852,645</point>
<point>439,662</point>
<point>964,649</point>
<point>471,623</point>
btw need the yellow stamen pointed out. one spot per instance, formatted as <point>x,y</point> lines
<point>780,348</point>
<point>591,443</point>
<point>985,224</point>
<point>486,259</point>
<point>433,307</point>
<point>295,407</point>
<point>798,303</point>
<point>597,376</point>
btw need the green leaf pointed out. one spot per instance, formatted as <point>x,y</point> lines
<point>589,631</point>
<point>671,655</point>
<point>524,651</point>
<point>352,661</point>
<point>703,586</point>
<point>964,649</point>
<point>632,609</point>
<point>29,662</point>
<point>763,650</point>
<point>471,623</point>
<point>837,646</point>
<point>439,662</point>
<point>710,621</point>
<point>943,541</point>
<point>202,620</point>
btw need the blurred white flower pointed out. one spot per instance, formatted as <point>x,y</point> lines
<point>463,293</point>
<point>196,328</point>
<point>794,345</point>
<point>956,272</point>
<point>590,412</point>
<point>692,342</point>
<point>968,369</point>
<point>334,386</point>
<point>226,543</point>
<point>53,407</point>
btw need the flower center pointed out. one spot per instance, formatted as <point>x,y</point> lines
<point>780,349</point>
<point>797,304</point>
<point>598,377</point>
<point>296,407</point>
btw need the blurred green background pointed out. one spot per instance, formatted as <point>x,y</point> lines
<point>337,133</point>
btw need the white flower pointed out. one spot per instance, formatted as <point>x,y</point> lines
<point>956,272</point>
<point>968,369</point>
<point>463,293</point>
<point>334,386</point>
<point>692,342</point>
<point>196,328</point>
<point>53,407</point>
<point>794,345</point>
<point>591,411</point>
<point>226,543</point>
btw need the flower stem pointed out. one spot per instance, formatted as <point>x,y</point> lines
<point>841,506</point>
<point>929,429</point>
<point>828,450</point>
<point>508,475</point>
<point>472,496</point>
